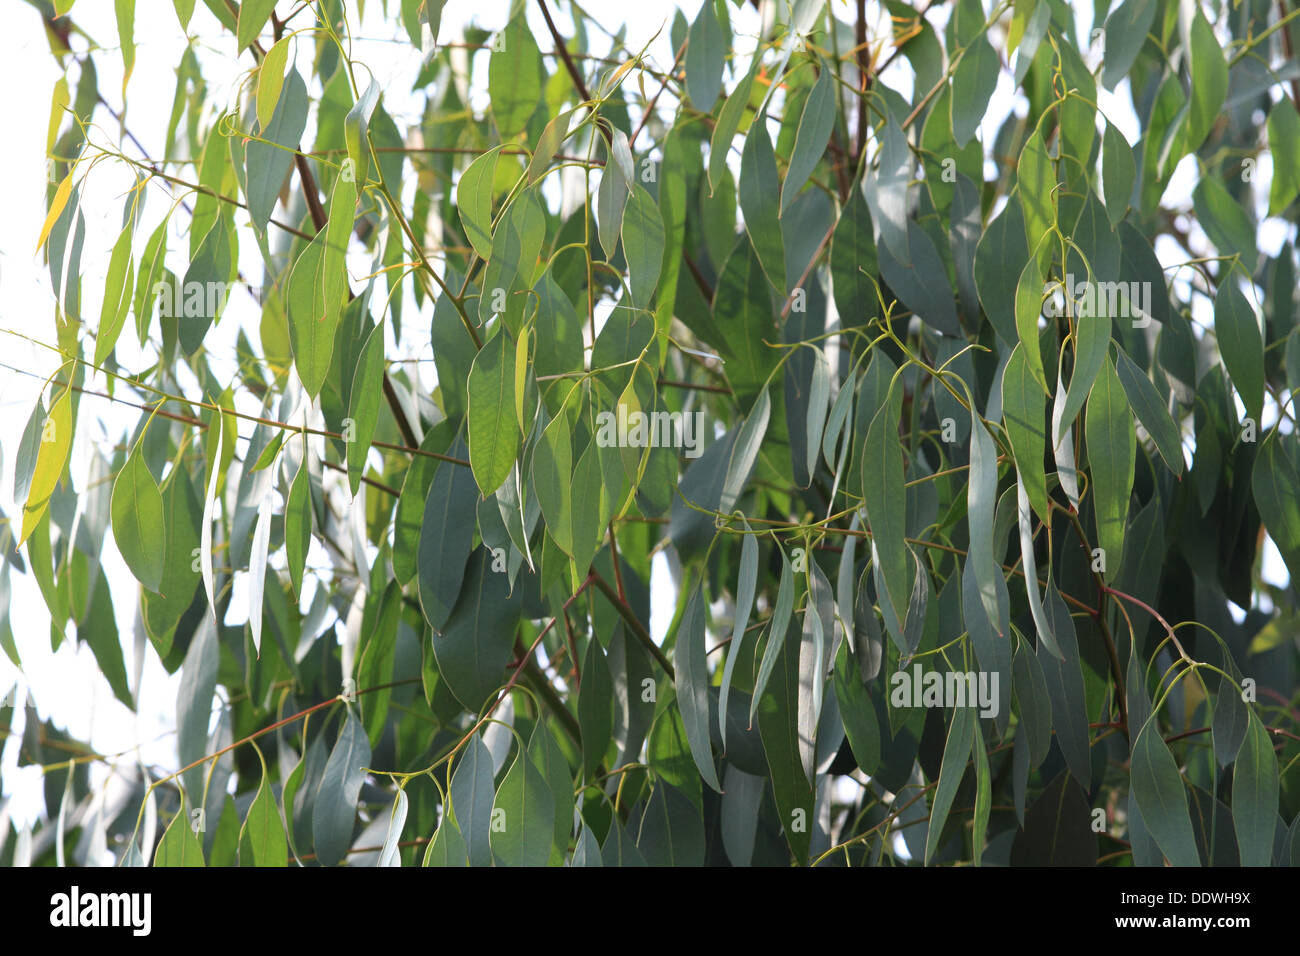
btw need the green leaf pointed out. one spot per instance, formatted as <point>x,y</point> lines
<point>363,403</point>
<point>1209,86</point>
<point>956,754</point>
<point>671,831</point>
<point>253,15</point>
<point>884,497</point>
<point>138,526</point>
<point>616,183</point>
<point>886,193</point>
<point>591,519</point>
<point>983,796</point>
<point>759,192</point>
<point>1024,411</point>
<point>705,53</point>
<point>1151,411</point>
<point>472,792</point>
<point>819,398</point>
<point>1036,181</point>
<point>1275,484</point>
<point>474,200</point>
<point>1078,112</point>
<point>152,270</point>
<point>553,480</point>
<point>312,320</point>
<point>118,286</point>
<point>515,77</point>
<point>1057,831</point>
<point>1028,308</point>
<point>595,707</point>
<point>746,587</point>
<point>125,11</point>
<point>297,525</point>
<point>1240,345</point>
<point>515,247</point>
<point>814,133</point>
<point>778,707</point>
<point>1091,347</point>
<point>1003,241</point>
<point>1160,796</point>
<point>270,80</point>
<point>981,502</point>
<point>1024,520</point>
<point>267,163</point>
<point>745,452</point>
<point>854,262</point>
<point>1112,456</point>
<point>1255,795</point>
<point>693,686</point>
<point>547,756</point>
<point>1118,171</point>
<point>180,844</point>
<point>194,701</point>
<point>973,82</point>
<point>1284,144</point>
<point>335,809</point>
<point>861,726</point>
<point>493,431</point>
<point>777,626</point>
<point>1064,678</point>
<point>474,647</point>
<point>643,245</point>
<point>263,832</point>
<point>1231,721</point>
<point>733,111</point>
<point>207,275</point>
<point>1033,706</point>
<point>1126,32</point>
<point>523,817</point>
<point>555,133</point>
<point>923,284</point>
<point>1224,220</point>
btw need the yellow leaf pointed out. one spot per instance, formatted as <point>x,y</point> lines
<point>56,442</point>
<point>56,207</point>
<point>270,80</point>
<point>58,104</point>
<point>521,372</point>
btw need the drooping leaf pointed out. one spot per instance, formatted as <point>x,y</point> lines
<point>335,808</point>
<point>493,430</point>
<point>693,686</point>
<point>138,520</point>
<point>1111,456</point>
<point>522,816</point>
<point>1158,790</point>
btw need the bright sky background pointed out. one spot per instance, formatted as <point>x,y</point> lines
<point>66,685</point>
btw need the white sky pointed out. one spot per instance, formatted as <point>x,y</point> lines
<point>66,685</point>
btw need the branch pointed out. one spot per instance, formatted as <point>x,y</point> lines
<point>637,628</point>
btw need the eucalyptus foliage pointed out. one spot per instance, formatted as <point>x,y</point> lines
<point>901,394</point>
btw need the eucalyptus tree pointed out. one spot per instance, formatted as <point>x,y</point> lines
<point>932,357</point>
